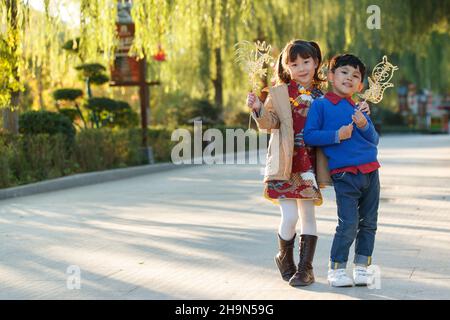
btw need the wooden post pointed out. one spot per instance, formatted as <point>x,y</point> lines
<point>144,97</point>
<point>128,71</point>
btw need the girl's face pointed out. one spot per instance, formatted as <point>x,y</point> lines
<point>302,70</point>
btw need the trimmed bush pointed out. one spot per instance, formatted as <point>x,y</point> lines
<point>67,94</point>
<point>112,113</point>
<point>38,122</point>
<point>31,158</point>
<point>107,149</point>
<point>72,114</point>
<point>28,158</point>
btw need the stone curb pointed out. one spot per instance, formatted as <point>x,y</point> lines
<point>83,179</point>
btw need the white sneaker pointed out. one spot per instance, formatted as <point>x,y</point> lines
<point>360,276</point>
<point>339,278</point>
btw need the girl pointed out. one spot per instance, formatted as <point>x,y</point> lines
<point>290,177</point>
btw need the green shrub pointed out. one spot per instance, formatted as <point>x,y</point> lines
<point>37,122</point>
<point>68,94</point>
<point>6,176</point>
<point>46,156</point>
<point>31,158</point>
<point>159,140</point>
<point>189,110</point>
<point>28,158</point>
<point>112,113</point>
<point>391,118</point>
<point>72,114</point>
<point>101,149</point>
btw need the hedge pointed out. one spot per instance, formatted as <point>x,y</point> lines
<point>27,158</point>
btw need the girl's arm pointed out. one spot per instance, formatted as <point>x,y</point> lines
<point>266,117</point>
<point>364,107</point>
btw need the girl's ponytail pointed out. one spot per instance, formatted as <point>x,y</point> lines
<point>318,52</point>
<point>280,74</point>
<point>318,77</point>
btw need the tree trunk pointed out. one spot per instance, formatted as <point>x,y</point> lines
<point>88,87</point>
<point>81,115</point>
<point>40,86</point>
<point>11,117</point>
<point>95,115</point>
<point>218,85</point>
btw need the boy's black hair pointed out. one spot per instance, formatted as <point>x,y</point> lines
<point>348,60</point>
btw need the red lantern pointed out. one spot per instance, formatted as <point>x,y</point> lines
<point>160,55</point>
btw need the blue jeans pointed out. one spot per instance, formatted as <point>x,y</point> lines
<point>357,198</point>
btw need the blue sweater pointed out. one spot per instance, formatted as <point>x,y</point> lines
<point>321,129</point>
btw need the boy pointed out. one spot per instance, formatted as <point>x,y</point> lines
<point>349,141</point>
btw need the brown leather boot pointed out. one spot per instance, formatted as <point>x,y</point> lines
<point>285,258</point>
<point>304,275</point>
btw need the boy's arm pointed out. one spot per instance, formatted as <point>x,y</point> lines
<point>368,131</point>
<point>266,117</point>
<point>313,133</point>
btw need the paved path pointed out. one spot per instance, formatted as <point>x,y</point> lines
<point>205,232</point>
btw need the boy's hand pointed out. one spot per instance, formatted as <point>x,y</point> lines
<point>359,119</point>
<point>253,102</point>
<point>364,107</point>
<point>345,132</point>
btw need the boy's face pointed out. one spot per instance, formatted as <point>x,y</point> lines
<point>346,80</point>
<point>302,70</point>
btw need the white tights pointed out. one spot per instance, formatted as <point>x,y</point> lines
<point>290,210</point>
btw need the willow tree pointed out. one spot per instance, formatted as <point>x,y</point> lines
<point>222,24</point>
<point>199,35</point>
<point>417,39</point>
<point>13,17</point>
<point>32,41</point>
<point>98,32</point>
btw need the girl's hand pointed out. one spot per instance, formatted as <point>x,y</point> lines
<point>253,102</point>
<point>363,106</point>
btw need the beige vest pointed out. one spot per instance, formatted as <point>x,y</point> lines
<point>281,144</point>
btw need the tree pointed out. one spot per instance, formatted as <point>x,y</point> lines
<point>198,37</point>
<point>110,113</point>
<point>14,20</point>
<point>72,96</point>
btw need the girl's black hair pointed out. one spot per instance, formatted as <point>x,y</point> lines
<point>304,49</point>
<point>348,60</point>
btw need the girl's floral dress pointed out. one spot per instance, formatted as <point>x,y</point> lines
<point>302,184</point>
